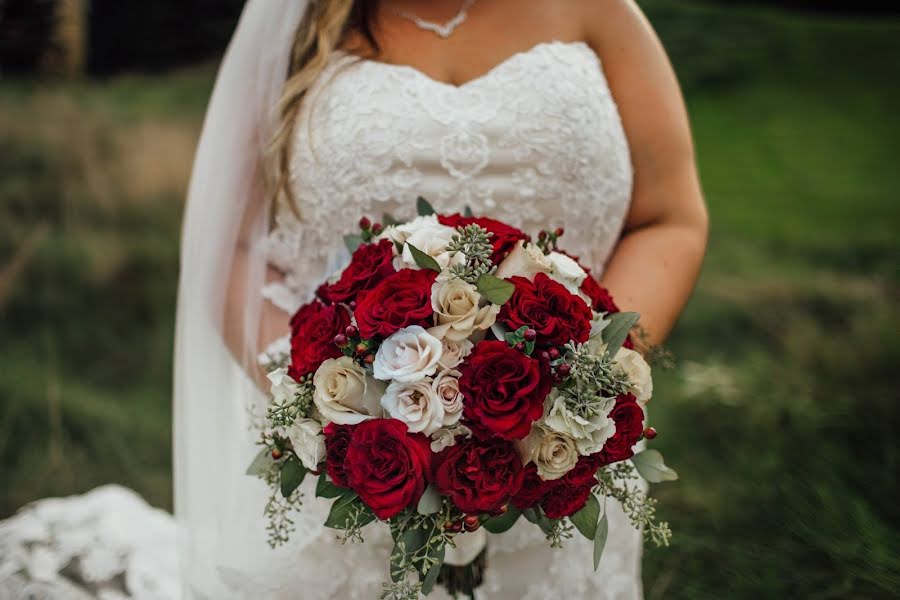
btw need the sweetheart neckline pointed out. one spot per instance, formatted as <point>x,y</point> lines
<point>487,75</point>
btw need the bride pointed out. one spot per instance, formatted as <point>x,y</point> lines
<point>559,113</point>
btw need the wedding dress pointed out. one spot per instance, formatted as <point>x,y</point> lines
<point>537,142</point>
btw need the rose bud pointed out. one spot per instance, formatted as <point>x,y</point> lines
<point>542,235</point>
<point>361,349</point>
<point>376,228</point>
<point>559,232</point>
<point>530,335</point>
<point>545,355</point>
<point>365,223</point>
<point>554,353</point>
<point>276,453</point>
<point>471,522</point>
<point>564,370</point>
<point>351,331</point>
<point>369,358</point>
<point>520,347</point>
<point>453,526</point>
<point>340,340</point>
<point>650,433</point>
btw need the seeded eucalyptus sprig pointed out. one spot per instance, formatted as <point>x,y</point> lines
<point>614,481</point>
<point>591,380</point>
<point>474,242</point>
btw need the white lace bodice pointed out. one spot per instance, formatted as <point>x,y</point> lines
<point>536,142</point>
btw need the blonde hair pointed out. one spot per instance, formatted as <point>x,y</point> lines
<point>321,31</point>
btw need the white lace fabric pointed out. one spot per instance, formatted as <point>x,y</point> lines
<point>536,142</point>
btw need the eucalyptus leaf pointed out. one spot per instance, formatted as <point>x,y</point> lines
<point>538,518</point>
<point>504,522</point>
<point>616,332</point>
<point>387,219</point>
<point>600,540</point>
<point>651,466</point>
<point>468,212</point>
<point>585,520</point>
<point>292,474</point>
<point>261,463</point>
<point>326,489</point>
<point>494,289</point>
<point>353,241</point>
<point>341,509</point>
<point>409,542</point>
<point>433,572</point>
<point>430,502</point>
<point>423,260</point>
<point>423,207</point>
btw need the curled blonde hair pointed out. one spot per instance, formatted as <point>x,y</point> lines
<point>323,28</point>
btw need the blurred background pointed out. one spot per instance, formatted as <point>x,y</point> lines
<point>781,411</point>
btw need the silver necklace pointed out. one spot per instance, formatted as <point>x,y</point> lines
<point>444,30</point>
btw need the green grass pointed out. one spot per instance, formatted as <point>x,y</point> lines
<point>778,415</point>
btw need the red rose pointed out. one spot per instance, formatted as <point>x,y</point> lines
<point>337,440</point>
<point>584,472</point>
<point>387,466</point>
<point>533,489</point>
<point>629,419</point>
<point>566,500</point>
<point>504,390</point>
<point>398,301</point>
<point>557,315</point>
<point>369,265</point>
<point>503,240</point>
<point>479,475</point>
<point>313,328</point>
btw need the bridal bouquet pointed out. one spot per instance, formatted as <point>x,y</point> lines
<point>456,377</point>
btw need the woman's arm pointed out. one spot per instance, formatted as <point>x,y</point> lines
<point>657,261</point>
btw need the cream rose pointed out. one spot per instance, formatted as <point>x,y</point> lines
<point>553,453</point>
<point>414,404</point>
<point>638,372</point>
<point>454,352</point>
<point>589,434</point>
<point>446,388</point>
<point>426,234</point>
<point>457,310</point>
<point>343,393</point>
<point>409,355</point>
<point>308,442</point>
<point>566,271</point>
<point>446,436</point>
<point>525,260</point>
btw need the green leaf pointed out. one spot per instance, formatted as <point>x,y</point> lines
<point>423,207</point>
<point>468,212</point>
<point>327,489</point>
<point>600,540</point>
<point>494,289</point>
<point>430,502</point>
<point>538,518</point>
<point>504,522</point>
<point>423,260</point>
<point>616,332</point>
<point>387,219</point>
<point>341,509</point>
<point>585,520</point>
<point>651,466</point>
<point>433,572</point>
<point>292,474</point>
<point>407,544</point>
<point>353,241</point>
<point>261,463</point>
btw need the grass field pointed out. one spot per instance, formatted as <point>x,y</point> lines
<point>781,411</point>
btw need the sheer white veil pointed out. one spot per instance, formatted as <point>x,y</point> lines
<point>218,509</point>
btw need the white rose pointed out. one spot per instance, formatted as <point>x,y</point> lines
<point>284,388</point>
<point>343,393</point>
<point>429,236</point>
<point>638,372</point>
<point>566,271</point>
<point>414,404</point>
<point>308,442</point>
<point>446,388</point>
<point>525,260</point>
<point>408,355</point>
<point>446,436</point>
<point>589,434</point>
<point>457,310</point>
<point>553,453</point>
<point>454,352</point>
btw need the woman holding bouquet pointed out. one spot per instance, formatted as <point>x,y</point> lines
<point>553,115</point>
